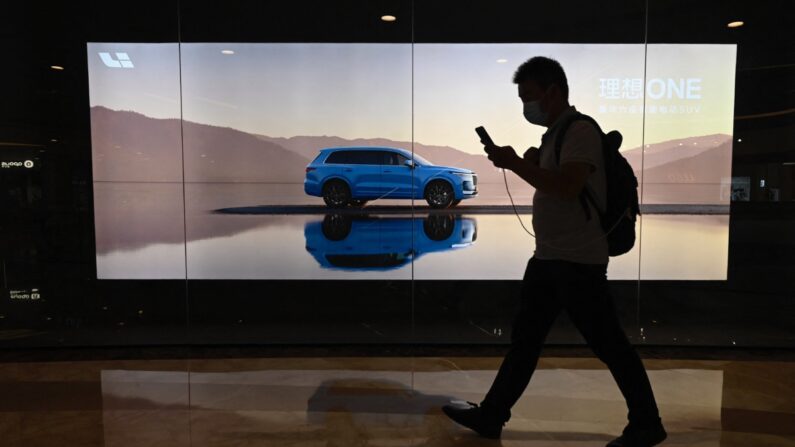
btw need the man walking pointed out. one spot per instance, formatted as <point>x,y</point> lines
<point>568,270</point>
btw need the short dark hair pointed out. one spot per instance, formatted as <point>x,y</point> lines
<point>544,71</point>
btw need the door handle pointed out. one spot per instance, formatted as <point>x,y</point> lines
<point>388,171</point>
<point>348,170</point>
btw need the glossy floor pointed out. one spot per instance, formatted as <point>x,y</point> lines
<point>377,402</point>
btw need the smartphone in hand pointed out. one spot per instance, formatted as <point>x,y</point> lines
<point>484,136</point>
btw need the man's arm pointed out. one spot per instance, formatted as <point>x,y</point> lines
<point>566,184</point>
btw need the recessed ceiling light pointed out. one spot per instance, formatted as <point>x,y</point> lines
<point>388,18</point>
<point>56,67</point>
<point>502,61</point>
<point>736,24</point>
<point>227,52</point>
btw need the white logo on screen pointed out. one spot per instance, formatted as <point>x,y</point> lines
<point>122,60</point>
<point>656,88</point>
<point>16,164</point>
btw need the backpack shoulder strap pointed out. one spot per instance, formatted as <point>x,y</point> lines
<point>585,195</point>
<point>561,134</point>
<point>564,127</point>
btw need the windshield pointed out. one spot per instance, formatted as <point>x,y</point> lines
<point>421,161</point>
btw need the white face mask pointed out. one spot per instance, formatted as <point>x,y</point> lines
<point>533,113</point>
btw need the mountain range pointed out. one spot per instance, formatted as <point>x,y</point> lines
<point>130,147</point>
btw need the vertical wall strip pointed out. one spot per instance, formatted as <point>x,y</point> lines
<point>642,168</point>
<point>184,213</point>
<point>413,185</point>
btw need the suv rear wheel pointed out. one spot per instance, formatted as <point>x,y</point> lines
<point>336,227</point>
<point>336,194</point>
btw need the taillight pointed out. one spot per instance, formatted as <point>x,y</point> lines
<point>308,169</point>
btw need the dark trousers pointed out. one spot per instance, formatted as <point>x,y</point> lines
<point>581,289</point>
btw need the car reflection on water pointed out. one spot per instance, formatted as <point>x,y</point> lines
<point>361,242</point>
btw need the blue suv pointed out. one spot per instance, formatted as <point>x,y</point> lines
<point>353,175</point>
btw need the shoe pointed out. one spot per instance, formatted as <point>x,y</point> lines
<point>640,437</point>
<point>473,418</point>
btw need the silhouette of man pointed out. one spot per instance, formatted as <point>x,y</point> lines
<point>568,270</point>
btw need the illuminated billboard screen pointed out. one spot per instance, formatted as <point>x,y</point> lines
<point>203,157</point>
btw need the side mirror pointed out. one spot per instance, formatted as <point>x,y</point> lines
<point>409,163</point>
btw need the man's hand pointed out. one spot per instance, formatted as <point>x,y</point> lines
<point>503,156</point>
<point>532,155</point>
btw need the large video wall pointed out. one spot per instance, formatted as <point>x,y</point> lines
<point>201,154</point>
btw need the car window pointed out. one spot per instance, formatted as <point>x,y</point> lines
<point>389,158</point>
<point>394,159</point>
<point>365,157</point>
<point>339,157</point>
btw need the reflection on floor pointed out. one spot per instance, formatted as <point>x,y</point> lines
<point>377,402</point>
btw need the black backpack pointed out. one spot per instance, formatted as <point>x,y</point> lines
<point>618,220</point>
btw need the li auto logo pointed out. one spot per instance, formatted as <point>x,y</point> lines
<point>122,60</point>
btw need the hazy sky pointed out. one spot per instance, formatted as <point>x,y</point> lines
<point>365,90</point>
<point>151,87</point>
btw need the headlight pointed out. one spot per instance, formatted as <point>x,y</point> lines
<point>461,174</point>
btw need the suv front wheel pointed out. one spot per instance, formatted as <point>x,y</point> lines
<point>439,194</point>
<point>336,194</point>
